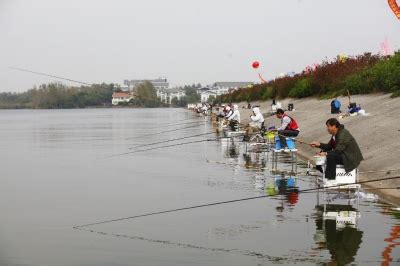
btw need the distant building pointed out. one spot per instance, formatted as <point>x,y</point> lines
<point>220,88</point>
<point>121,87</point>
<point>205,93</point>
<point>160,83</point>
<point>227,87</point>
<point>119,97</point>
<point>166,95</point>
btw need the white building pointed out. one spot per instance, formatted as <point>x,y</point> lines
<point>220,88</point>
<point>205,93</point>
<point>119,97</point>
<point>160,83</point>
<point>121,87</point>
<point>166,95</point>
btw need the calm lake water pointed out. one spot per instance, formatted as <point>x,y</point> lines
<point>57,171</point>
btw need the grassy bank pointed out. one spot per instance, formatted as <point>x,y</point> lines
<point>361,74</point>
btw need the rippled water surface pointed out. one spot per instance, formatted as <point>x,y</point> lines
<point>65,168</point>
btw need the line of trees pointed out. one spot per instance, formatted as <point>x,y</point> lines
<point>57,95</point>
<point>361,74</point>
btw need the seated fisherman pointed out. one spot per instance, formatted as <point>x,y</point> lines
<point>256,123</point>
<point>234,119</point>
<point>257,119</point>
<point>341,149</point>
<point>228,111</point>
<point>353,108</point>
<point>288,128</point>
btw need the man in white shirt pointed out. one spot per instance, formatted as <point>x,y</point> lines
<point>234,118</point>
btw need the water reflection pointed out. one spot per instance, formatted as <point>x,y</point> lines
<point>285,188</point>
<point>392,241</point>
<point>337,230</point>
<point>337,237</point>
<point>254,160</point>
<point>230,148</point>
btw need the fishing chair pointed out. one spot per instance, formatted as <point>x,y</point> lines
<point>342,180</point>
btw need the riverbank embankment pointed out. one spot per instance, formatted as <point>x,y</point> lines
<point>377,133</point>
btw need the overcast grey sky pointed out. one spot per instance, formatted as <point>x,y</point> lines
<point>187,41</point>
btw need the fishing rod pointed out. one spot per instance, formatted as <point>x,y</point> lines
<point>296,140</point>
<point>381,188</point>
<point>170,140</point>
<point>84,83</point>
<point>149,144</point>
<point>224,202</point>
<point>166,146</point>
<point>181,124</point>
<point>48,75</point>
<point>173,123</point>
<point>158,133</point>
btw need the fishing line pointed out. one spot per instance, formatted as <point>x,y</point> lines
<point>158,133</point>
<point>171,123</point>
<point>165,126</point>
<point>226,202</point>
<point>167,146</point>
<point>84,83</point>
<point>48,75</point>
<point>296,140</point>
<point>170,140</point>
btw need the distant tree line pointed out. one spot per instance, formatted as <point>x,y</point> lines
<point>57,95</point>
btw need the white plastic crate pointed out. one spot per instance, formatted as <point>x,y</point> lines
<point>349,179</point>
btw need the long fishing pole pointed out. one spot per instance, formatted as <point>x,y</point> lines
<point>85,83</point>
<point>178,121</point>
<point>296,140</point>
<point>52,76</point>
<point>173,125</point>
<point>170,140</point>
<point>158,133</point>
<point>225,202</point>
<point>161,147</point>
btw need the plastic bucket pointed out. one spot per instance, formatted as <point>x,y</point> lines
<point>290,143</point>
<point>319,160</point>
<point>270,135</point>
<point>291,182</point>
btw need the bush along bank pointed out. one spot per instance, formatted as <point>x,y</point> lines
<point>361,74</point>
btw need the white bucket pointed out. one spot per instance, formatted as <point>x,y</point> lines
<point>319,160</point>
<point>362,112</point>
